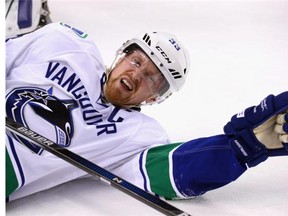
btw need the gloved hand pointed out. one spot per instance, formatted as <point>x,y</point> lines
<point>260,131</point>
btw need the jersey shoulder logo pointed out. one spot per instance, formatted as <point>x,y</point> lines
<point>41,106</point>
<point>76,31</point>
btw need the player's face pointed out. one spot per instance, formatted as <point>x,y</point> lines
<point>134,79</point>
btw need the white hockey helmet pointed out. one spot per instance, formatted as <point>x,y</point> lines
<point>168,54</point>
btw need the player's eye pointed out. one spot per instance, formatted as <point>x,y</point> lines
<point>135,62</point>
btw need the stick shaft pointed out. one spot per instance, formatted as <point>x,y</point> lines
<point>93,169</point>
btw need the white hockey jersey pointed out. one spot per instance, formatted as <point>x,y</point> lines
<point>53,86</point>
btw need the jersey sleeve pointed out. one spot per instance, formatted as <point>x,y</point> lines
<point>185,170</point>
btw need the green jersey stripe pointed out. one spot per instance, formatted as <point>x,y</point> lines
<point>157,167</point>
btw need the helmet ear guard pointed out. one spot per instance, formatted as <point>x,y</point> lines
<point>167,53</point>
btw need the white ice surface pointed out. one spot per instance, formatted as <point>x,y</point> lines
<point>239,55</point>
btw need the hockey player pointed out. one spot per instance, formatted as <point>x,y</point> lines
<point>56,84</point>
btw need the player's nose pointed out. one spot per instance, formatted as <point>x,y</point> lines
<point>137,76</point>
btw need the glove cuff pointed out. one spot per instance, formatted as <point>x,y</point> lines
<point>248,149</point>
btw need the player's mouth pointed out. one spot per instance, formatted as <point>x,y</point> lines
<point>126,84</point>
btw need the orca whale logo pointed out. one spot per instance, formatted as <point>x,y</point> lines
<point>54,112</point>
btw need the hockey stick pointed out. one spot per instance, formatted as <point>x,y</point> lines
<point>93,169</point>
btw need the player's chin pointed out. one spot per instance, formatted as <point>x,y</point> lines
<point>125,102</point>
<point>122,98</point>
<point>117,99</point>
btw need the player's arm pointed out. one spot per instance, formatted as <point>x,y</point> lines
<point>185,170</point>
<point>192,168</point>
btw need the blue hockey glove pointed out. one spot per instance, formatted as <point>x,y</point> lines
<point>260,131</point>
